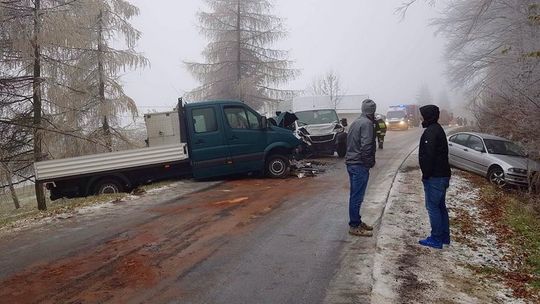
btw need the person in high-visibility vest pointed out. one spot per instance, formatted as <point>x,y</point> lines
<point>380,128</point>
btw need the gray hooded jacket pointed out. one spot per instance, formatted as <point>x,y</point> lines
<point>361,145</point>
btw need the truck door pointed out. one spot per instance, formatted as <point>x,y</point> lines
<point>246,138</point>
<point>209,152</point>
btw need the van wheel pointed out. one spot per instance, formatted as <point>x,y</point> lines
<point>496,177</point>
<point>277,166</point>
<point>341,150</point>
<point>108,186</point>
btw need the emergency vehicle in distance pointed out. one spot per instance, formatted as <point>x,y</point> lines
<point>403,117</point>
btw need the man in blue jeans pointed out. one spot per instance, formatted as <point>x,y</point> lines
<point>433,158</point>
<point>360,158</point>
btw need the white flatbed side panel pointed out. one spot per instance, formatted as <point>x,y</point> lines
<point>95,163</point>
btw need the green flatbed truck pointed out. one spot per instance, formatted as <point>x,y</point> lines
<point>217,138</point>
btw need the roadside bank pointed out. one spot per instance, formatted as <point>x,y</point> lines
<point>405,272</point>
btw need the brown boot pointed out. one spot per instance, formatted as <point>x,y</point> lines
<point>358,231</point>
<point>366,226</point>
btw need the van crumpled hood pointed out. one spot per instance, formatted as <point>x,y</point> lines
<point>285,119</point>
<point>321,129</point>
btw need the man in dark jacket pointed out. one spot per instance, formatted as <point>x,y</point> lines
<point>433,158</point>
<point>360,158</point>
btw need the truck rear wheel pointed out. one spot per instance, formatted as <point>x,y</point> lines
<point>108,186</point>
<point>277,166</point>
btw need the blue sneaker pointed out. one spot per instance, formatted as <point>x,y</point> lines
<point>431,242</point>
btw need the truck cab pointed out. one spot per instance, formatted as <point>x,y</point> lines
<point>229,137</point>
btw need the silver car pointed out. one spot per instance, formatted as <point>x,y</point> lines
<point>500,160</point>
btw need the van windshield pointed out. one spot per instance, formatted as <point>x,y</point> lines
<point>316,117</point>
<point>396,114</point>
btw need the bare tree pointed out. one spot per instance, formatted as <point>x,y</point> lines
<point>494,52</point>
<point>239,63</point>
<point>329,85</point>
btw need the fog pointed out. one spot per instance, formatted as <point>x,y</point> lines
<point>372,48</point>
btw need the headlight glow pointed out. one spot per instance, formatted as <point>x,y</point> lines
<point>518,170</point>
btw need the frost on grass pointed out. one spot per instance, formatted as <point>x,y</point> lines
<point>475,246</point>
<point>64,209</point>
<point>479,247</point>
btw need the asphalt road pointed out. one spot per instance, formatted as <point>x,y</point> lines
<point>242,241</point>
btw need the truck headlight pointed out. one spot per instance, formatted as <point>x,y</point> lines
<point>339,129</point>
<point>401,122</point>
<point>518,170</point>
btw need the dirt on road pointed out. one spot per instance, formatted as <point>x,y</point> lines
<point>142,263</point>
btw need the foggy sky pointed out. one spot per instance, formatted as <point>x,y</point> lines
<point>373,50</point>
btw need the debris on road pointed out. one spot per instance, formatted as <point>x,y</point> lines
<point>307,168</point>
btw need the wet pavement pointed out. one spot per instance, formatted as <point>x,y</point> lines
<point>241,241</point>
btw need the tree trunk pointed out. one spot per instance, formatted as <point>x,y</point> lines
<point>14,197</point>
<point>238,54</point>
<point>36,97</point>
<point>101,79</point>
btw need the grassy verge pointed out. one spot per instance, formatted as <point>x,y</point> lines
<point>525,222</point>
<point>515,219</point>
<point>9,216</point>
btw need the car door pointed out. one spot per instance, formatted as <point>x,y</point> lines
<point>476,155</point>
<point>245,137</point>
<point>209,151</point>
<point>456,151</point>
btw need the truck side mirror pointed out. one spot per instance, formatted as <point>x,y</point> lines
<point>264,123</point>
<point>344,122</point>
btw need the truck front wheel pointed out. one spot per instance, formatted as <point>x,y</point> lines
<point>277,166</point>
<point>108,186</point>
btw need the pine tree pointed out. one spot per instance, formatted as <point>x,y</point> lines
<point>34,35</point>
<point>62,50</point>
<point>240,64</point>
<point>94,81</point>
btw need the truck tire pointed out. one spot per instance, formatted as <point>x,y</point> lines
<point>108,186</point>
<point>277,166</point>
<point>341,150</point>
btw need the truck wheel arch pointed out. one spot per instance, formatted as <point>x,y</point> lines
<point>120,178</point>
<point>278,148</point>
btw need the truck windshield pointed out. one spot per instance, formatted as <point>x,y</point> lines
<point>396,114</point>
<point>503,147</point>
<point>316,117</point>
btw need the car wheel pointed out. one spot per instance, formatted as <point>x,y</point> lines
<point>277,166</point>
<point>108,186</point>
<point>496,177</point>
